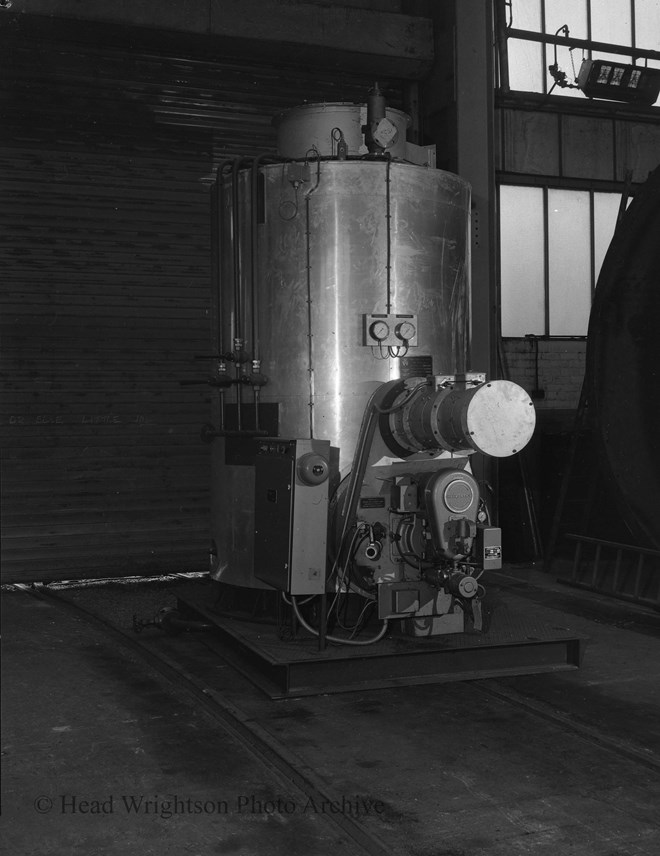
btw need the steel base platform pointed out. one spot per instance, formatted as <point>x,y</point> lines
<point>520,638</point>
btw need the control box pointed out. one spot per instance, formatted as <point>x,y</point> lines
<point>291,514</point>
<point>390,330</point>
<point>488,551</point>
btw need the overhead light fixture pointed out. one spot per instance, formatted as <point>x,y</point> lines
<point>606,78</point>
<point>616,81</point>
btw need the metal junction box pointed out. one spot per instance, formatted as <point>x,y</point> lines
<point>489,547</point>
<point>291,514</point>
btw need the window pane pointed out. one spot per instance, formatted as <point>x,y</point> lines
<point>620,58</point>
<point>647,24</point>
<point>573,13</point>
<point>526,15</point>
<point>521,247</point>
<point>526,72</point>
<point>611,22</point>
<point>606,209</point>
<point>569,262</point>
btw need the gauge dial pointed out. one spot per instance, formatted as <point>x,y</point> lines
<point>379,330</point>
<point>405,331</point>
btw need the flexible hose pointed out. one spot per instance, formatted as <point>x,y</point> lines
<point>338,639</point>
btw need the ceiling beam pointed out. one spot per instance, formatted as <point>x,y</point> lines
<point>355,39</point>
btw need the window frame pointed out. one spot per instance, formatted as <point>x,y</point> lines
<point>546,186</point>
<point>507,32</point>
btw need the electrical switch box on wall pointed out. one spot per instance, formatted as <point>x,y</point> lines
<point>291,514</point>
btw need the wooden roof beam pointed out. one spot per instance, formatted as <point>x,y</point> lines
<point>373,41</point>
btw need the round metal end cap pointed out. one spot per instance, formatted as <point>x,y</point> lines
<point>468,587</point>
<point>500,419</point>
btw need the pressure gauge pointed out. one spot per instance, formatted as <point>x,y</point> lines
<point>405,331</point>
<point>379,330</point>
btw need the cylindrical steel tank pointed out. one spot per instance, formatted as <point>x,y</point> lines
<point>324,252</point>
<point>337,242</point>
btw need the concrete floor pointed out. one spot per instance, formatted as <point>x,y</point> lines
<point>102,754</point>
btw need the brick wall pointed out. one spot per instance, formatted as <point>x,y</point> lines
<point>560,370</point>
<point>561,364</point>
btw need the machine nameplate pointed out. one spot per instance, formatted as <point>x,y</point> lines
<point>372,502</point>
<point>415,367</point>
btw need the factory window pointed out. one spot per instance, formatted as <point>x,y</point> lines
<point>552,246</point>
<point>633,24</point>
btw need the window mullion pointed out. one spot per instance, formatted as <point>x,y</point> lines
<point>546,262</point>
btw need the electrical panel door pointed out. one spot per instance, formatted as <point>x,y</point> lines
<point>291,514</point>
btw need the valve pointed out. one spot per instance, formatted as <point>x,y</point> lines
<point>257,379</point>
<point>240,355</point>
<point>221,380</point>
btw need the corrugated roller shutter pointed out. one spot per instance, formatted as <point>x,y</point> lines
<point>106,157</point>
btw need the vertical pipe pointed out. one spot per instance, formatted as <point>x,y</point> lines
<point>254,252</point>
<point>308,269</point>
<point>257,163</point>
<point>215,262</point>
<point>257,397</point>
<point>235,212</point>
<point>388,221</point>
<point>239,318</point>
<point>239,398</point>
<point>218,244</point>
<point>220,247</point>
<point>254,269</point>
<point>254,288</point>
<point>310,352</point>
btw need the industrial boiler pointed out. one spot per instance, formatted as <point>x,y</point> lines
<point>347,414</point>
